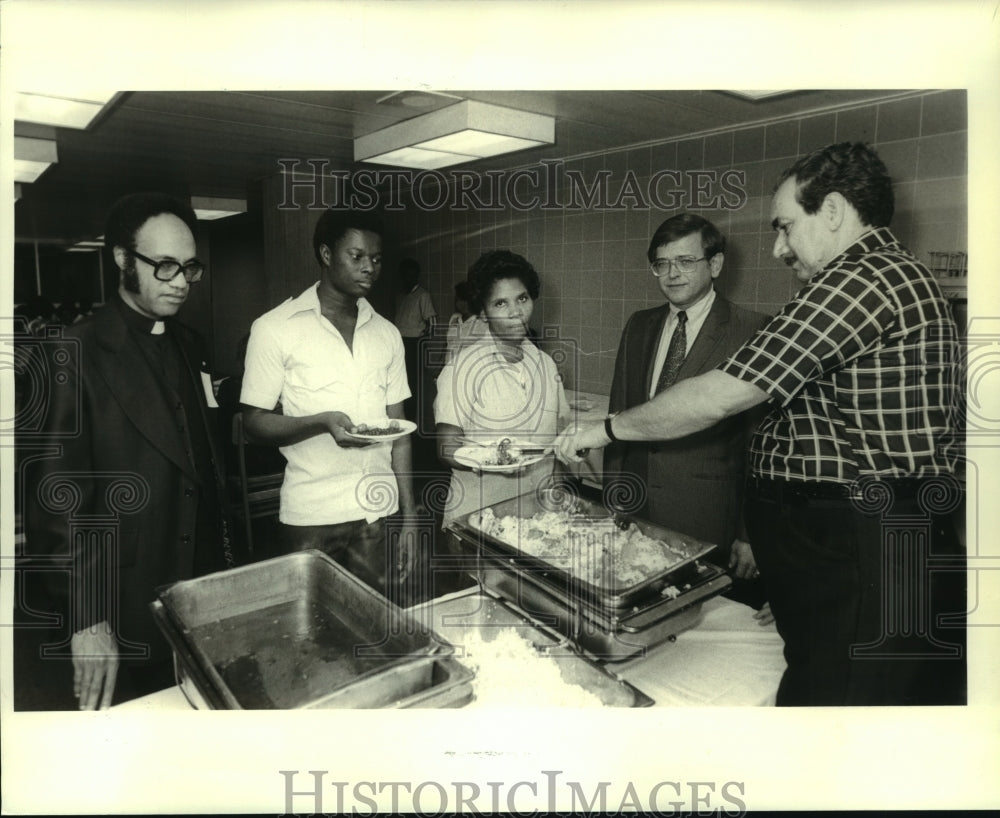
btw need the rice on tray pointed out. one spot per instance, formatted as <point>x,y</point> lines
<point>596,551</point>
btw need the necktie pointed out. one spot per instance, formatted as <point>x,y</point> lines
<point>675,354</point>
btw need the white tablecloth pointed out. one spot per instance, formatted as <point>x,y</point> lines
<point>727,659</point>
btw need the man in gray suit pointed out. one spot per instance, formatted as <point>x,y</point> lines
<point>693,485</point>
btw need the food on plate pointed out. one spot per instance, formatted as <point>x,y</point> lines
<point>503,453</point>
<point>504,660</point>
<point>597,551</point>
<point>391,428</point>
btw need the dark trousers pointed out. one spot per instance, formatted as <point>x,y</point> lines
<point>869,600</point>
<point>361,547</point>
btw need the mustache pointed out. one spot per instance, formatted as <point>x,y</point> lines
<point>790,259</point>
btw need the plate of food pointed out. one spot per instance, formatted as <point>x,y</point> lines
<point>380,431</point>
<point>503,455</point>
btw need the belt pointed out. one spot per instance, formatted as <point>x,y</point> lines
<point>800,493</point>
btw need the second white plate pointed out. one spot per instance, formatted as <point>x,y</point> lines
<point>475,457</point>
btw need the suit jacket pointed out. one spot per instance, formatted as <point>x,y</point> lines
<point>116,498</point>
<point>693,485</point>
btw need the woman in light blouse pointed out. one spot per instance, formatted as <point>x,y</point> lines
<point>500,385</point>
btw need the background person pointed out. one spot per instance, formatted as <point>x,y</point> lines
<point>464,325</point>
<point>415,320</point>
<point>415,316</point>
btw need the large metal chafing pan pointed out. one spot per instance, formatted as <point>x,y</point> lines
<point>604,634</point>
<point>300,631</point>
<point>479,616</point>
<point>586,511</point>
<point>611,623</point>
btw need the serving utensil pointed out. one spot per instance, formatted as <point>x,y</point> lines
<point>484,444</point>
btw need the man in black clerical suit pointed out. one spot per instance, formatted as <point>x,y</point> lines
<point>128,499</point>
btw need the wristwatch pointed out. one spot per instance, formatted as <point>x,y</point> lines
<point>607,428</point>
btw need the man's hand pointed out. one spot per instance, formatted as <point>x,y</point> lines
<point>579,437</point>
<point>742,565</point>
<point>764,615</point>
<point>340,426</point>
<point>95,666</point>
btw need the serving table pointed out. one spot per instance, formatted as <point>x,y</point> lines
<point>725,660</point>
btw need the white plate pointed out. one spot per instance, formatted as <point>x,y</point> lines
<point>473,457</point>
<point>406,427</point>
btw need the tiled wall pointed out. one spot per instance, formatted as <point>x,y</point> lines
<point>592,261</point>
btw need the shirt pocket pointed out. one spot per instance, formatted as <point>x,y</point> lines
<point>373,389</point>
<point>316,388</point>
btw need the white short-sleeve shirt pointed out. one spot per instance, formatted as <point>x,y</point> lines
<point>297,357</point>
<point>414,310</point>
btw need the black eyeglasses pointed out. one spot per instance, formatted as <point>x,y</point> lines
<point>685,265</point>
<point>168,269</point>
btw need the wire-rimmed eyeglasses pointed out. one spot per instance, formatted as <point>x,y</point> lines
<point>168,269</point>
<point>685,264</point>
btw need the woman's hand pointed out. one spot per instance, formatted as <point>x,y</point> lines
<point>449,440</point>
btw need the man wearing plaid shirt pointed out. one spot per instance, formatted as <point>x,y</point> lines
<point>856,468</point>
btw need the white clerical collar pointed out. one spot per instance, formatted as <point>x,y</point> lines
<point>158,328</point>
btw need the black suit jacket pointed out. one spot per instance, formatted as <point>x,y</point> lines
<point>693,485</point>
<point>116,497</point>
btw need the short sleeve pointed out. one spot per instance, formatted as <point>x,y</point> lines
<point>426,306</point>
<point>264,370</point>
<point>563,411</point>
<point>397,388</point>
<point>444,400</point>
<point>831,321</point>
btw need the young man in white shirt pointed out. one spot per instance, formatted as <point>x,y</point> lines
<point>334,364</point>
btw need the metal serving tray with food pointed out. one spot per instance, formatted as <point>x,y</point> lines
<point>614,585</point>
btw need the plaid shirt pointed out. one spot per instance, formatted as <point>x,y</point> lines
<point>863,370</point>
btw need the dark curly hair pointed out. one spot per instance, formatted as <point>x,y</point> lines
<point>409,274</point>
<point>333,225</point>
<point>495,266</point>
<point>852,169</point>
<point>131,212</point>
<point>682,225</point>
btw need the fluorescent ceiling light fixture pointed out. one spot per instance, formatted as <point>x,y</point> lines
<point>417,99</point>
<point>60,111</point>
<point>32,156</point>
<point>208,208</point>
<point>753,96</point>
<point>88,246</point>
<point>464,132</point>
